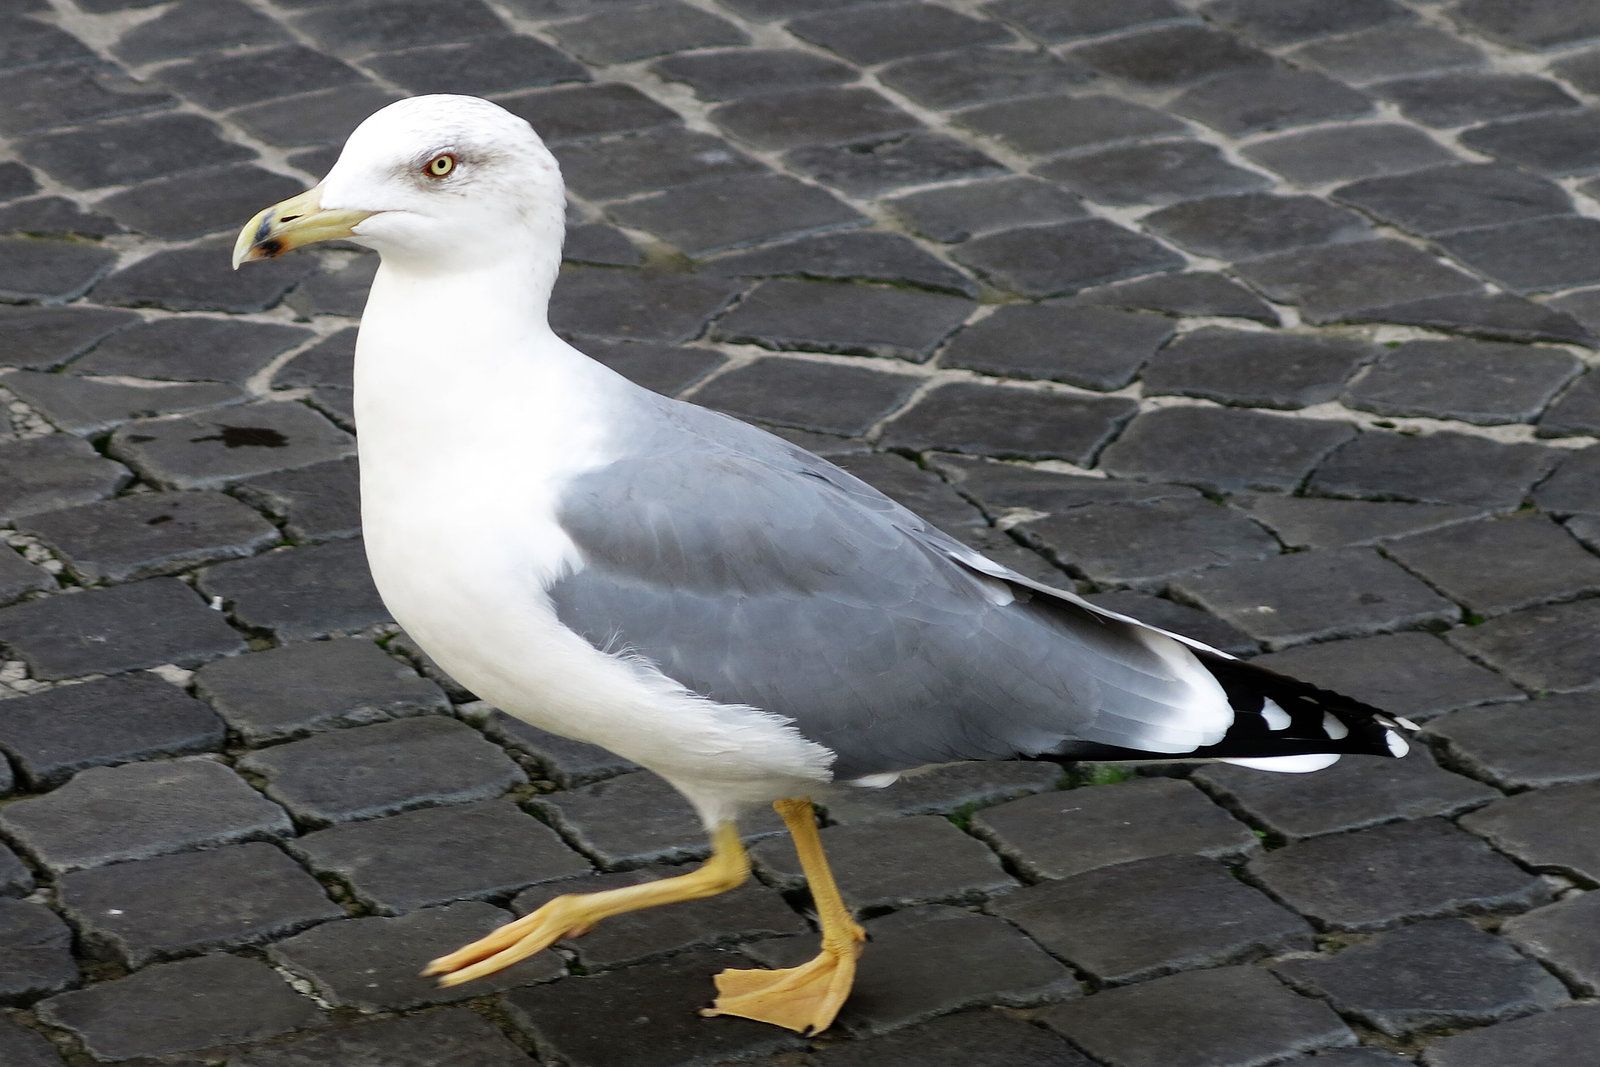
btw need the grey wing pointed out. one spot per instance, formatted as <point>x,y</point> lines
<point>755,573</point>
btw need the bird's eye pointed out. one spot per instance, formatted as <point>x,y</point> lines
<point>440,165</point>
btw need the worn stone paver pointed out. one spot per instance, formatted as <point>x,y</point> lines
<point>1274,322</point>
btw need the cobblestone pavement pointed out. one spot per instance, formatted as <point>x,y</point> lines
<point>1270,321</point>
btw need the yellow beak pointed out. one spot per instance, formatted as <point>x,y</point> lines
<point>299,220</point>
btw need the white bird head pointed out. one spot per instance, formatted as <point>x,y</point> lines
<point>431,182</point>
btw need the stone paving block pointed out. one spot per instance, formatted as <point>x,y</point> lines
<point>565,762</point>
<point>341,291</point>
<point>373,964</point>
<point>1057,835</point>
<point>967,76</point>
<point>1223,450</point>
<point>954,213</point>
<point>123,628</point>
<point>906,975</point>
<point>969,1039</point>
<point>15,878</point>
<point>1134,921</point>
<point>1564,255</point>
<point>1178,619</point>
<point>1534,560</point>
<point>869,169</point>
<point>1332,282</point>
<point>1251,102</point>
<point>33,269</point>
<point>368,771</point>
<point>1146,543</point>
<point>1494,316</point>
<point>1575,413</point>
<point>750,912</point>
<point>15,179</point>
<point>570,113</point>
<point>479,68</point>
<point>55,733</point>
<point>738,72</point>
<point>314,686</point>
<point>601,245</point>
<point>1536,828</point>
<point>1313,596</point>
<point>1064,257</point>
<point>225,1000</point>
<point>1541,24</point>
<point>22,1047</point>
<point>1255,224</point>
<point>1191,293</point>
<point>210,450</point>
<point>883,865</point>
<point>714,216</point>
<point>487,849</point>
<point>38,959</point>
<point>652,1012</point>
<point>1571,489</point>
<point>192,902</point>
<point>1387,51</point>
<point>326,117</point>
<point>18,578</point>
<point>823,397</point>
<point>864,255</point>
<point>1550,1039</point>
<point>1479,382</point>
<point>644,162</point>
<point>942,791</point>
<point>196,26</point>
<point>1545,649</point>
<point>997,487</point>
<point>56,216</point>
<point>1561,145</point>
<point>875,34</point>
<point>1051,125</point>
<point>1256,369</point>
<point>109,814</point>
<point>1168,57</point>
<point>1006,422</point>
<point>1411,674</point>
<point>150,534</point>
<point>1356,792</point>
<point>383,25</point>
<point>29,43</point>
<point>1425,869</point>
<point>219,82</point>
<point>1439,468</point>
<point>790,313</point>
<point>1445,973</point>
<point>805,117</point>
<point>191,350</point>
<point>132,150</point>
<point>1159,173</point>
<point>1092,347</point>
<point>86,406</point>
<point>316,503</point>
<point>66,94</point>
<point>1545,742</point>
<point>302,593</point>
<point>625,34</point>
<point>1563,937</point>
<point>1462,99</point>
<point>666,369</point>
<point>1345,153</point>
<point>1225,1017</point>
<point>433,1039</point>
<point>330,361</point>
<point>1053,21</point>
<point>1274,22</point>
<point>198,203</point>
<point>197,279</point>
<point>632,305</point>
<point>43,338</point>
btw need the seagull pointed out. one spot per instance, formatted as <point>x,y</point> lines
<point>728,610</point>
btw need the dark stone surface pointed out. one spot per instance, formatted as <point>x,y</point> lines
<point>316,503</point>
<point>998,421</point>
<point>942,791</point>
<point>1433,974</point>
<point>1473,381</point>
<point>1332,282</point>
<point>955,213</point>
<point>980,75</point>
<point>1253,369</point>
<point>122,628</point>
<point>654,159</point>
<point>1178,619</point>
<point>1051,125</point>
<point>877,33</point>
<point>331,361</point>
<point>43,338</point>
<point>222,82</point>
<point>1344,153</point>
<point>149,534</point>
<point>1539,25</point>
<point>572,113</point>
<point>1052,21</point>
<point>340,291</point>
<point>1550,1038</point>
<point>86,406</point>
<point>313,686</point>
<point>629,305</point>
<point>1576,412</point>
<point>198,203</point>
<point>1546,649</point>
<point>791,313</point>
<point>22,1047</point>
<point>968,1039</point>
<point>54,734</point>
<point>1389,51</point>
<point>300,593</point>
<point>196,279</point>
<point>1192,293</point>
<point>1461,99</point>
<point>192,902</point>
<point>65,94</point>
<point>56,216</point>
<point>1562,936</point>
<point>379,25</point>
<point>1536,827</point>
<point>1170,56</point>
<point>1063,257</point>
<point>1495,316</point>
<point>872,168</point>
<point>1570,490</point>
<point>210,450</point>
<point>1549,741</point>
<point>1277,22</point>
<point>1560,145</point>
<point>739,72</point>
<point>1158,173</point>
<point>1245,103</point>
<point>191,350</point>
<point>428,1040</point>
<point>1223,450</point>
<point>18,578</point>
<point>1410,870</point>
<point>1534,560</point>
<point>226,1000</point>
<point>54,271</point>
<point>1226,1017</point>
<point>1096,348</point>
<point>714,216</point>
<point>132,150</point>
<point>487,849</point>
<point>109,814</point>
<point>1529,257</point>
<point>853,255</point>
<point>823,397</point>
<point>38,958</point>
<point>828,115</point>
<point>625,34</point>
<point>1255,224</point>
<point>1057,835</point>
<point>382,769</point>
<point>1440,468</point>
<point>1134,921</point>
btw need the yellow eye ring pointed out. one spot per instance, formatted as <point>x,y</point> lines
<point>440,165</point>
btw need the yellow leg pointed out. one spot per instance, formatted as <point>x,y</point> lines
<point>804,998</point>
<point>573,914</point>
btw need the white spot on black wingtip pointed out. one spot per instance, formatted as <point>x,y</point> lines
<point>1397,744</point>
<point>1333,727</point>
<point>1277,718</point>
